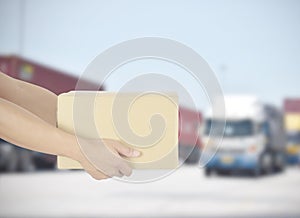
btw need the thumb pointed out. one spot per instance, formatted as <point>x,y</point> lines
<point>126,151</point>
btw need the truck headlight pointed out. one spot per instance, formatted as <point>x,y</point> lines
<point>252,149</point>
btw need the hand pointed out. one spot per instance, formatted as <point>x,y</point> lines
<point>103,159</point>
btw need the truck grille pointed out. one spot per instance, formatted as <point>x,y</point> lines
<point>230,151</point>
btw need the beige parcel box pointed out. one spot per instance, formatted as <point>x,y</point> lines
<point>127,117</point>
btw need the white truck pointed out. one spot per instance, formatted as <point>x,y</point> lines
<point>253,137</point>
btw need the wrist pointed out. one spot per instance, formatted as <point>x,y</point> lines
<point>75,152</point>
<point>70,146</point>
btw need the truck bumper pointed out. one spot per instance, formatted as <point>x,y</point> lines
<point>292,154</point>
<point>292,158</point>
<point>233,162</point>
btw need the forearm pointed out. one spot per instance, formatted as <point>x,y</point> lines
<point>23,128</point>
<point>35,99</point>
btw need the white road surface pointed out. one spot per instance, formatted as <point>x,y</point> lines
<point>186,193</point>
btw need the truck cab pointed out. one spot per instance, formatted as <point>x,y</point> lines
<point>249,141</point>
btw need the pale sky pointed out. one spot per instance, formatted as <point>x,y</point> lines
<point>253,46</point>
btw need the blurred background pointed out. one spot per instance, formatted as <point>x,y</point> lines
<point>253,48</point>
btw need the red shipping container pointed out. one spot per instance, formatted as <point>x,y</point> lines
<point>49,78</point>
<point>189,137</point>
<point>59,82</point>
<point>292,105</point>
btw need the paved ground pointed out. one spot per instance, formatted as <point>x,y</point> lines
<point>186,193</point>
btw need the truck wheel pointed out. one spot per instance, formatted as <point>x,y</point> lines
<point>266,163</point>
<point>8,157</point>
<point>279,162</point>
<point>208,172</point>
<point>194,156</point>
<point>256,172</point>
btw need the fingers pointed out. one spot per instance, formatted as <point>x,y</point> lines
<point>98,175</point>
<point>108,161</point>
<point>126,151</point>
<point>123,150</point>
<point>119,169</point>
<point>126,170</point>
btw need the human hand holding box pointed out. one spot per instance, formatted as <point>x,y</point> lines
<point>100,115</point>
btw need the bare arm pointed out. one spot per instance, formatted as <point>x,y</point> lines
<point>28,118</point>
<point>23,128</point>
<point>35,99</point>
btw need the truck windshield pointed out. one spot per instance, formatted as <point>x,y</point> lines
<point>238,128</point>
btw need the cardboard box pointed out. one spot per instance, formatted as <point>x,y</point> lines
<point>125,117</point>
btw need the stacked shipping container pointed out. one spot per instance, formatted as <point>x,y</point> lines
<point>59,82</point>
<point>11,157</point>
<point>49,78</point>
<point>189,135</point>
<point>292,127</point>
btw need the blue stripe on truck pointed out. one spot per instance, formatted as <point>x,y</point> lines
<point>238,162</point>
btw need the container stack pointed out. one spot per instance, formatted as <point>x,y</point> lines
<point>292,128</point>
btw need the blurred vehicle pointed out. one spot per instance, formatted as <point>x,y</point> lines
<point>189,139</point>
<point>13,158</point>
<point>253,137</point>
<point>17,159</point>
<point>292,128</point>
<point>8,157</point>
